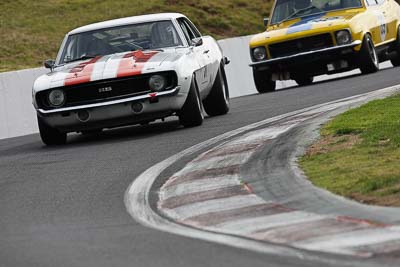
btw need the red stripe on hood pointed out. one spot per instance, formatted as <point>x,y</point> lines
<point>81,73</point>
<point>133,62</point>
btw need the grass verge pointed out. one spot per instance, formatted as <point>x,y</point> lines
<point>31,31</point>
<point>358,154</point>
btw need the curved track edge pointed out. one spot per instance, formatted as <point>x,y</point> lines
<point>138,195</point>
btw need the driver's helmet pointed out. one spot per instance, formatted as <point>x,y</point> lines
<point>162,35</point>
<point>349,3</point>
<point>301,4</point>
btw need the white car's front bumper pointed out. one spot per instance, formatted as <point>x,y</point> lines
<point>138,109</point>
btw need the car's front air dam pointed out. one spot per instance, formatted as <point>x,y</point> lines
<point>322,57</point>
<point>115,114</point>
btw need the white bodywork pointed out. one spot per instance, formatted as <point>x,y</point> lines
<point>187,61</point>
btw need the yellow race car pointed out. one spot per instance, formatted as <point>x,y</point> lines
<point>306,38</point>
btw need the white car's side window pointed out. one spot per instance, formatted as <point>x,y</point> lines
<point>185,30</point>
<point>163,34</point>
<point>194,30</point>
<point>189,30</point>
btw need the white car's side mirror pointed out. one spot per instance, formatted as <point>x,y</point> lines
<point>49,64</point>
<point>197,41</point>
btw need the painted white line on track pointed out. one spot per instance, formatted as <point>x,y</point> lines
<point>340,242</point>
<point>215,205</point>
<point>250,225</point>
<point>200,186</point>
<point>261,135</point>
<point>215,162</point>
<point>137,197</point>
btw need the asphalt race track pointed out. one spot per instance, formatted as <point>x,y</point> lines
<point>65,206</point>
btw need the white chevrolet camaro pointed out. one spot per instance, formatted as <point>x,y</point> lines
<point>130,71</point>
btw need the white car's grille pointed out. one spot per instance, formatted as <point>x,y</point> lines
<point>106,90</point>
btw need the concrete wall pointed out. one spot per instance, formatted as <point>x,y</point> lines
<point>238,72</point>
<point>17,115</point>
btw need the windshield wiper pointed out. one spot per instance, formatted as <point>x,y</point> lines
<point>137,47</point>
<point>148,49</point>
<point>81,58</point>
<point>155,49</point>
<point>293,15</point>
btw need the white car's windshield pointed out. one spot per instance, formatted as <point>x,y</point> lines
<point>153,35</point>
<point>290,9</point>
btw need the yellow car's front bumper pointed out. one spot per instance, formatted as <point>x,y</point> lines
<point>331,52</point>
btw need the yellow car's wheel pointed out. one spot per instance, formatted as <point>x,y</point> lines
<point>396,60</point>
<point>368,58</point>
<point>263,81</point>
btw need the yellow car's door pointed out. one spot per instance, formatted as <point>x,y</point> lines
<point>377,22</point>
<point>389,11</point>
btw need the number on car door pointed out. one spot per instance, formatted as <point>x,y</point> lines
<point>379,30</point>
<point>390,18</point>
<point>201,53</point>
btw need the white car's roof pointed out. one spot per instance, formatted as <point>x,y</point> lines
<point>126,21</point>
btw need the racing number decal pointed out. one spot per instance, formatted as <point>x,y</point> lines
<point>382,25</point>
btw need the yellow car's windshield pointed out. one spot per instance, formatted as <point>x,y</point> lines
<point>290,9</point>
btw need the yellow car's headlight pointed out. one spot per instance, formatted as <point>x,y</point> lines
<point>343,37</point>
<point>260,53</point>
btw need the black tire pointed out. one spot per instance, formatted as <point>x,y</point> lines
<point>368,58</point>
<point>217,102</point>
<point>191,114</point>
<point>263,81</point>
<point>51,136</point>
<point>304,81</point>
<point>396,60</point>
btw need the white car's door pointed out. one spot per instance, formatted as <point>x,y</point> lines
<point>201,50</point>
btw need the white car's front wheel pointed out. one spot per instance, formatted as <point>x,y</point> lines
<point>191,114</point>
<point>51,136</point>
<point>217,102</point>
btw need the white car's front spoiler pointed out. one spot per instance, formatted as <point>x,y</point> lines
<point>115,113</point>
<point>114,102</point>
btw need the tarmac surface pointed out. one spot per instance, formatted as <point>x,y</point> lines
<point>64,206</point>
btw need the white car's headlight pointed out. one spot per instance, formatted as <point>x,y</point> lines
<point>259,53</point>
<point>343,37</point>
<point>56,98</point>
<point>157,83</point>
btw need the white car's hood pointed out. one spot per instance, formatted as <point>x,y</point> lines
<point>108,67</point>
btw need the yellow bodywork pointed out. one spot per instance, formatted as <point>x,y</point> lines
<point>381,21</point>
